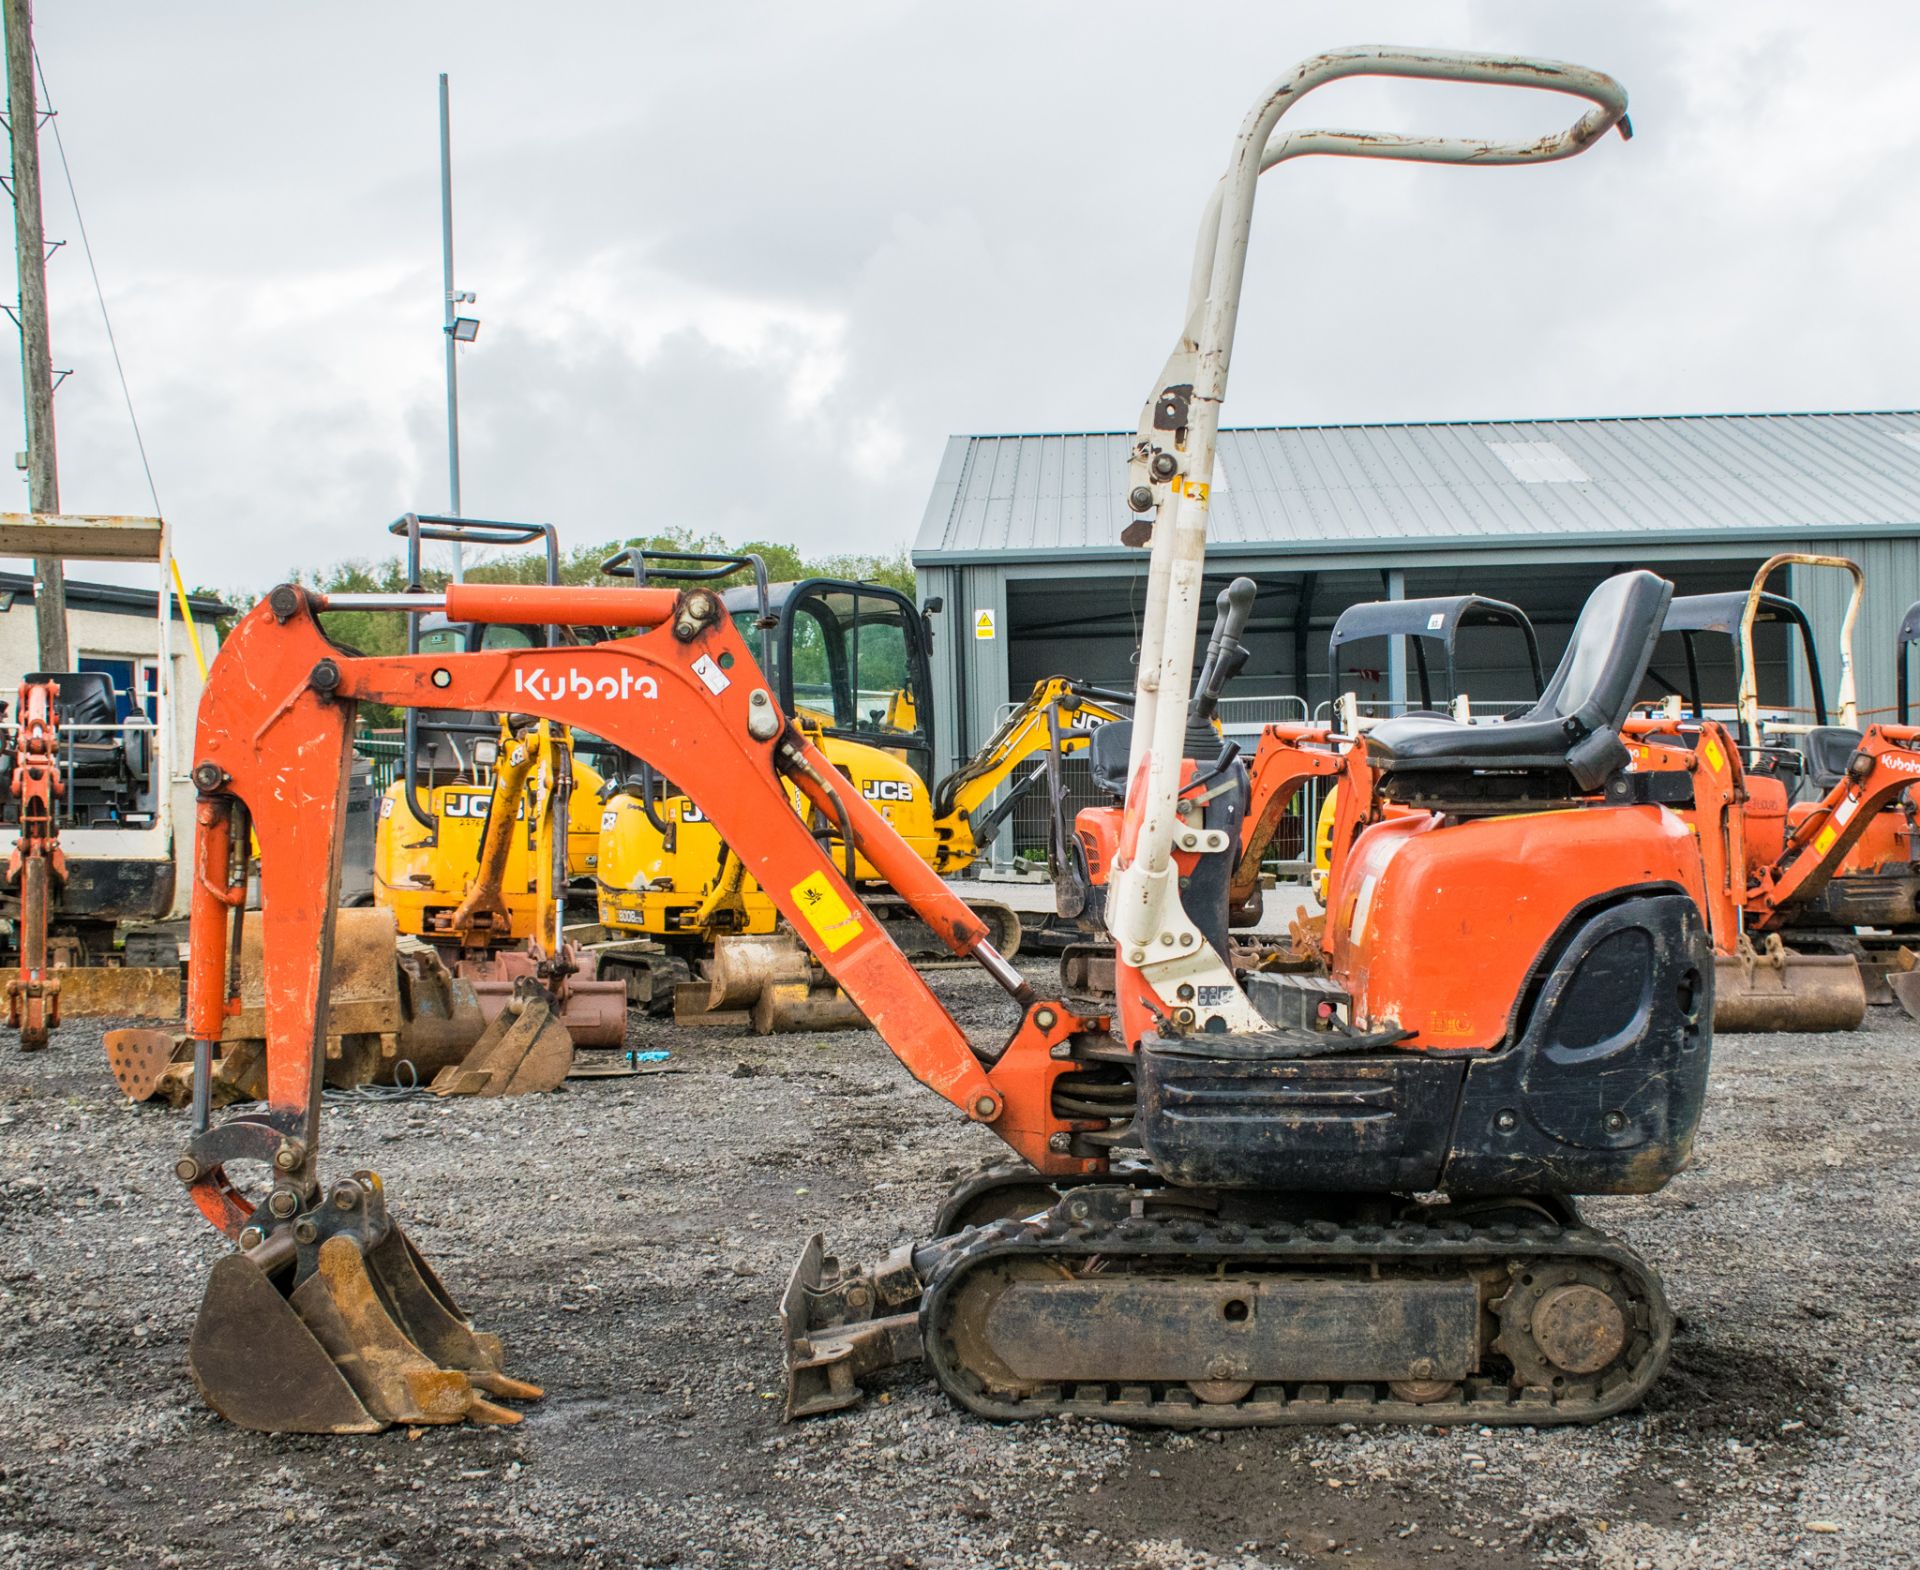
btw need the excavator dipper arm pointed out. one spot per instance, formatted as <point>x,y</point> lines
<point>327,1319</point>
<point>274,732</point>
<point>1885,764</point>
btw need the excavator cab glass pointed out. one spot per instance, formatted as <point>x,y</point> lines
<point>850,658</point>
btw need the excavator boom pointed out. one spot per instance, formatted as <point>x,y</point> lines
<point>684,694</point>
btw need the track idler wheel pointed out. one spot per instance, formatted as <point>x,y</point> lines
<point>336,1325</point>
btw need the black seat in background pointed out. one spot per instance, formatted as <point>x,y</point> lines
<point>1107,751</point>
<point>1829,749</point>
<point>86,698</point>
<point>1572,733</point>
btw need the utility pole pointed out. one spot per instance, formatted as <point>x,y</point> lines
<point>450,300</point>
<point>36,344</point>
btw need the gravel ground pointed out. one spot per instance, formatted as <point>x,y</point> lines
<point>629,1240</point>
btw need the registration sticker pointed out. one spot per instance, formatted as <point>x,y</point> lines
<point>716,679</point>
<point>826,912</point>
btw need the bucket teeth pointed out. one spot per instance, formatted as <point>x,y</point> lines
<point>362,1339</point>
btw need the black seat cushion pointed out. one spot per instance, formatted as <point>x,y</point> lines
<point>1830,748</point>
<point>1107,752</point>
<point>1574,727</point>
<point>86,699</point>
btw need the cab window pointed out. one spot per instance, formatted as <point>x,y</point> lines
<point>857,669</point>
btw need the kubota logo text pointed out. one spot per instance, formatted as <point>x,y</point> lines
<point>1896,760</point>
<point>538,682</point>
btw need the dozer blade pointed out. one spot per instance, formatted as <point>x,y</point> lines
<point>525,1050</point>
<point>1775,989</point>
<point>119,992</point>
<point>840,1327</point>
<point>365,1340</point>
<point>140,1059</point>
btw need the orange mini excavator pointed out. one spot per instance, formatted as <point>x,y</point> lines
<point>1358,1211</point>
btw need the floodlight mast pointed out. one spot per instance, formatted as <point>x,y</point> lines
<point>1171,468</point>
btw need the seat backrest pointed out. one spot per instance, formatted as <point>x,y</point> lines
<point>1829,749</point>
<point>86,698</point>
<point>1107,751</point>
<point>1607,655</point>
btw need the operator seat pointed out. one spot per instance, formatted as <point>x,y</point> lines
<point>1568,742</point>
<point>1829,749</point>
<point>86,699</point>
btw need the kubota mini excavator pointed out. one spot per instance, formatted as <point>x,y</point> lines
<point>1268,1261</point>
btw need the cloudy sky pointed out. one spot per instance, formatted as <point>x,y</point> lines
<point>743,267</point>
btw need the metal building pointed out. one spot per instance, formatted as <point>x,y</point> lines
<point>1021,540</point>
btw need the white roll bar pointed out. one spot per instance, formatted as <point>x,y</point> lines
<point>1171,468</point>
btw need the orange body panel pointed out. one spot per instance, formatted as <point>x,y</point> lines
<point>1435,930</point>
<point>1886,845</point>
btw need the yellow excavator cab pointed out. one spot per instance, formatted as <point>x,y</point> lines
<point>849,661</point>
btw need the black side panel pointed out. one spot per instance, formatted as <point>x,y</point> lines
<point>1601,1092</point>
<point>1368,1122</point>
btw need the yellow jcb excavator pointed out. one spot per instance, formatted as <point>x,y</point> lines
<point>848,662</point>
<point>475,842</point>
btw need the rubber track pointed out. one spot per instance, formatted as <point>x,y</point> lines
<point>1200,1245</point>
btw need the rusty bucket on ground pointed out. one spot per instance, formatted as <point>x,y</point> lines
<point>768,981</point>
<point>334,1324</point>
<point>1774,989</point>
<point>593,1011</point>
<point>395,1015</point>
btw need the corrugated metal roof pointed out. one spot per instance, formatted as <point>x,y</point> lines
<point>1513,482</point>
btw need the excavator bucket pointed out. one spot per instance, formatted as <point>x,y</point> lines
<point>768,981</point>
<point>1903,981</point>
<point>119,992</point>
<point>1774,989</point>
<point>140,1059</point>
<point>394,1011</point>
<point>526,1049</point>
<point>342,1335</point>
<point>365,1016</point>
<point>594,1011</point>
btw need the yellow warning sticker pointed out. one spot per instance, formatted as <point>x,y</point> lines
<point>826,912</point>
<point>1823,841</point>
<point>1714,756</point>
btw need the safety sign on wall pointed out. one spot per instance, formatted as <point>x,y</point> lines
<point>983,626</point>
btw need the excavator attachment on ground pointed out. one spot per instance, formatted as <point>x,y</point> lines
<point>1769,987</point>
<point>338,1326</point>
<point>395,1016</point>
